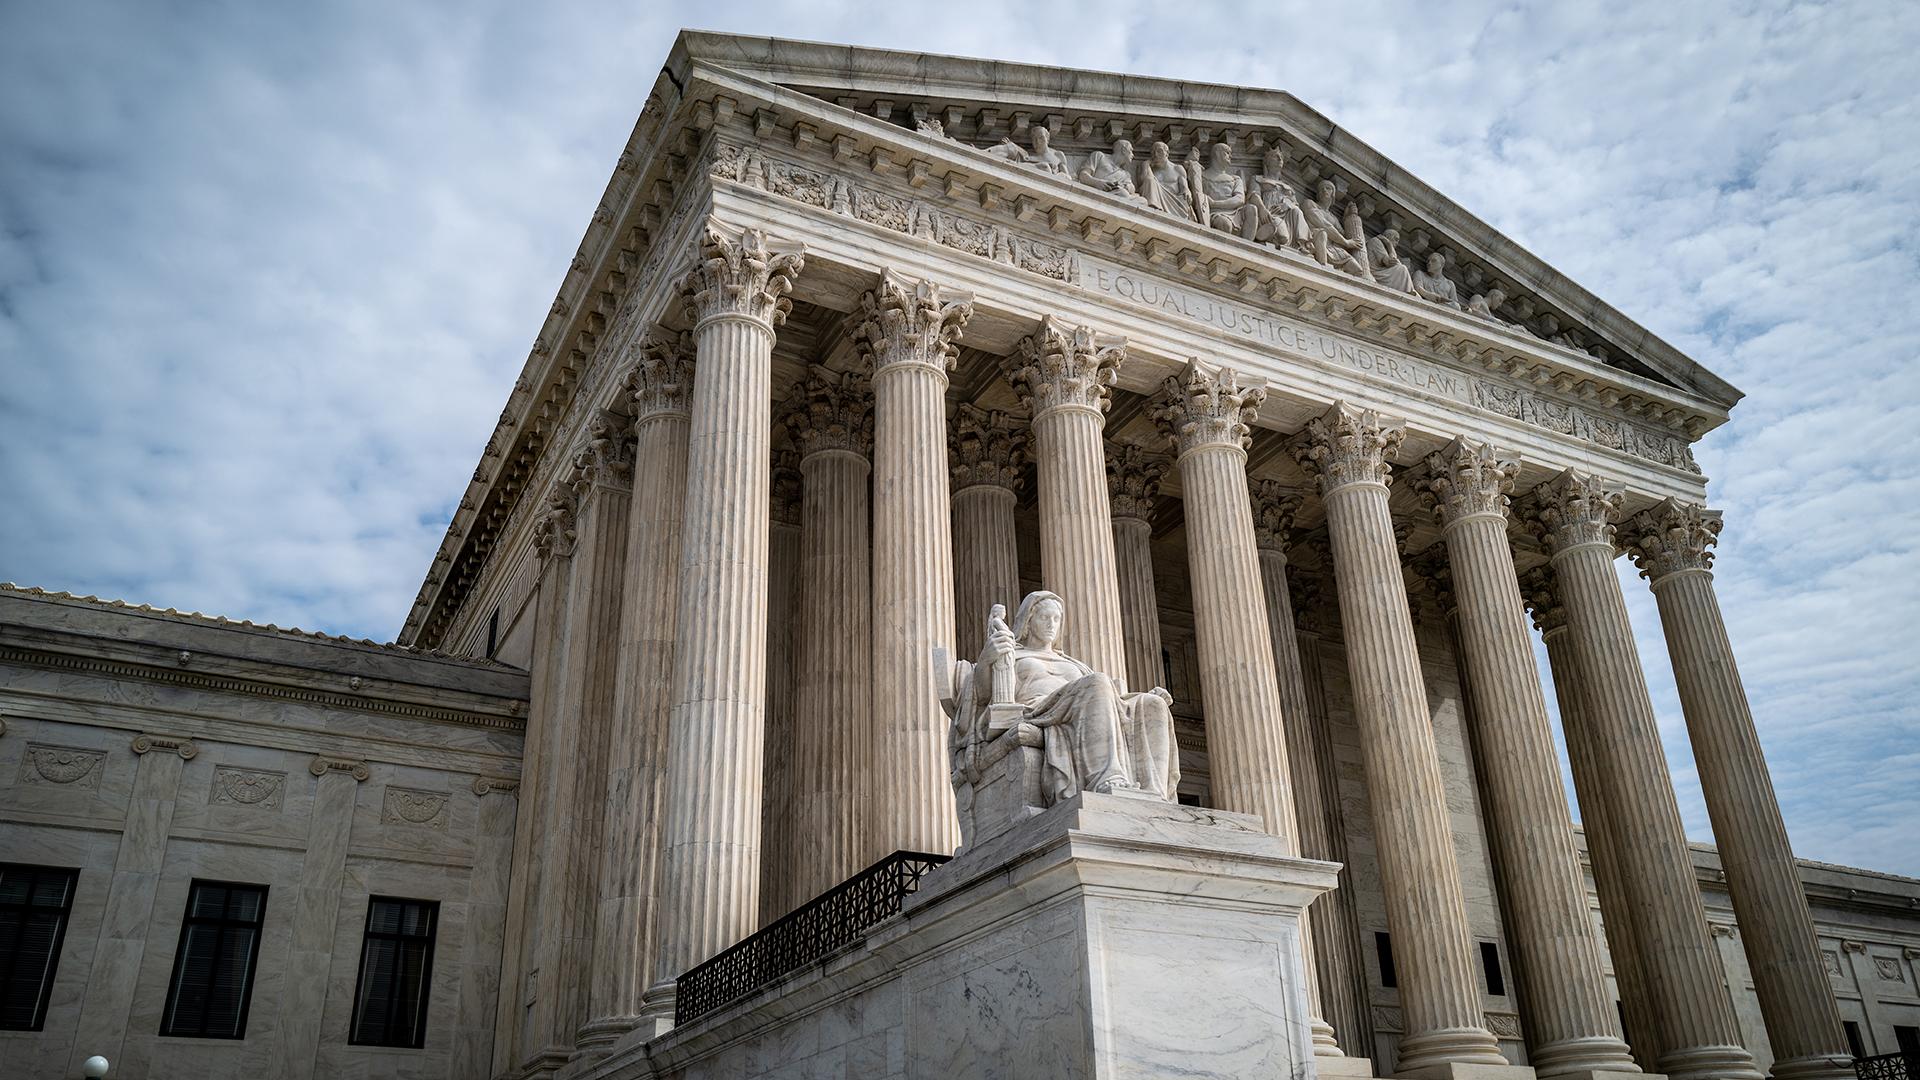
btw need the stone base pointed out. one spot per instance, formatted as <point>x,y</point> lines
<point>1347,1068</point>
<point>1456,1070</point>
<point>1108,936</point>
<point>1602,1074</point>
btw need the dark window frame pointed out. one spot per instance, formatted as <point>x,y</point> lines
<point>187,923</point>
<point>1491,971</point>
<point>1855,1040</point>
<point>367,937</point>
<point>39,1021</point>
<point>1383,951</point>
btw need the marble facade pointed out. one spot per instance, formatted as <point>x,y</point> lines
<point>860,344</point>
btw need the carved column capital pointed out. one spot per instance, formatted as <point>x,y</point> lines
<point>1543,602</point>
<point>907,320</point>
<point>606,458</point>
<point>1671,537</point>
<point>830,410</point>
<point>741,274</point>
<point>1060,366</point>
<point>1306,591</point>
<point>785,488</point>
<point>661,382</point>
<point>1572,510</point>
<point>1274,506</point>
<point>1347,446</point>
<point>322,764</point>
<point>1466,479</point>
<point>554,533</point>
<point>1199,408</point>
<point>986,447</point>
<point>1133,479</point>
<point>1430,574</point>
<point>147,742</point>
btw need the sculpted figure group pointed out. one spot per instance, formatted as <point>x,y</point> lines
<point>1265,210</point>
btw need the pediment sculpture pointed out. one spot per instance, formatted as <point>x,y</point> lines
<point>1032,726</point>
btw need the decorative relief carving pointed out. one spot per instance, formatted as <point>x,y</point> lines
<point>247,787</point>
<point>1347,446</point>
<point>1504,1025</point>
<point>1671,537</point>
<point>830,410</point>
<point>407,806</point>
<point>143,743</point>
<point>1388,1018</point>
<point>1466,479</point>
<point>1061,366</point>
<point>1888,968</point>
<point>907,320</point>
<point>1573,509</point>
<point>1200,408</point>
<point>661,381</point>
<point>487,785</point>
<point>742,274</point>
<point>1832,960</point>
<point>606,458</point>
<point>1133,479</point>
<point>66,766</point>
<point>1274,505</point>
<point>321,765</point>
<point>986,447</point>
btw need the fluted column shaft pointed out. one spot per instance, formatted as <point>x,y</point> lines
<point>1133,482</point>
<point>1672,545</point>
<point>906,334</point>
<point>1064,375</point>
<point>568,900</point>
<point>1699,1034</point>
<point>832,724</point>
<point>1565,1008</point>
<point>710,852</point>
<point>1426,912</point>
<point>778,845</point>
<point>986,455</point>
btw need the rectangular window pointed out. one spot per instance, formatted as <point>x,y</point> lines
<point>1383,945</point>
<point>213,969</point>
<point>396,971</point>
<point>34,904</point>
<point>493,633</point>
<point>1909,1039</point>
<point>1853,1038</point>
<point>1490,965</point>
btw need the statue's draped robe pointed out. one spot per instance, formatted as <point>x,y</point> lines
<point>1092,731</point>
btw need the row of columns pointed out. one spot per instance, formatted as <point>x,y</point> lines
<point>661,867</point>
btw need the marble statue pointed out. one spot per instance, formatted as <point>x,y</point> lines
<point>1433,283</point>
<point>1163,183</point>
<point>1112,173</point>
<point>1285,225</point>
<point>1383,259</point>
<point>1485,305</point>
<point>1040,156</point>
<point>927,125</point>
<point>1224,193</point>
<point>1337,242</point>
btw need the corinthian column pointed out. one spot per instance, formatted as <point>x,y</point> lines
<point>906,333</point>
<point>1206,416</point>
<point>1133,482</point>
<point>657,389</point>
<point>1064,374</point>
<point>1564,1004</point>
<point>1273,509</point>
<point>1347,451</point>
<point>988,455</point>
<point>1636,1001</point>
<point>1672,545</point>
<point>1699,1036</point>
<point>568,900</point>
<point>831,423</point>
<point>777,842</point>
<point>710,853</point>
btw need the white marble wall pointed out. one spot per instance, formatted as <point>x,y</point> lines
<point>407,813</point>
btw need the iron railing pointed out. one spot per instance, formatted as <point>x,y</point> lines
<point>1900,1066</point>
<point>828,922</point>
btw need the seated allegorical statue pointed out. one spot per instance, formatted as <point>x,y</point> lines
<point>1433,283</point>
<point>1087,733</point>
<point>1286,226</point>
<point>1224,194</point>
<point>1337,241</point>
<point>1164,183</point>
<point>1383,258</point>
<point>1112,173</point>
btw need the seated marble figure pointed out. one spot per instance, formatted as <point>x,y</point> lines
<point>1077,729</point>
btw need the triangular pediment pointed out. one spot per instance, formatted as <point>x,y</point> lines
<point>993,108</point>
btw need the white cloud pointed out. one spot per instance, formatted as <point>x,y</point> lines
<point>267,271</point>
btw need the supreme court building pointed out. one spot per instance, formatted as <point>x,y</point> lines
<point>858,346</point>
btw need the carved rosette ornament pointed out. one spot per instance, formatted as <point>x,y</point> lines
<point>907,320</point>
<point>661,382</point>
<point>1348,446</point>
<point>1061,367</point>
<point>554,533</point>
<point>830,410</point>
<point>1467,479</point>
<point>986,447</point>
<point>1274,507</point>
<point>1572,510</point>
<point>740,274</point>
<point>1672,537</point>
<point>606,460</point>
<point>1537,592</point>
<point>1133,479</point>
<point>785,489</point>
<point>1201,409</point>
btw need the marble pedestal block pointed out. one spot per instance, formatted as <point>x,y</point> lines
<point>1109,937</point>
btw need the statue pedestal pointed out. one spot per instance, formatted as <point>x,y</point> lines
<point>1107,937</point>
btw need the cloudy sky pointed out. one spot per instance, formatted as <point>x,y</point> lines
<point>267,272</point>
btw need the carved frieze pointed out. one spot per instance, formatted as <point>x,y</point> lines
<point>408,806</point>
<point>247,787</point>
<point>62,766</point>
